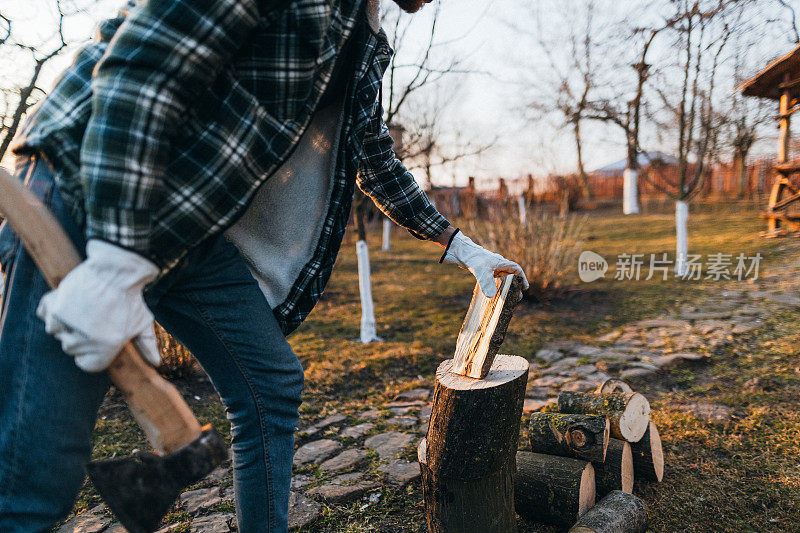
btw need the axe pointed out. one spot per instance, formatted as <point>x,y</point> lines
<point>139,489</point>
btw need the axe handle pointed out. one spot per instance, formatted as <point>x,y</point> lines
<point>156,404</point>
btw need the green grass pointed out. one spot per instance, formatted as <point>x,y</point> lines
<point>740,478</point>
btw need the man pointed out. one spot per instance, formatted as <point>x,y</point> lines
<point>203,154</point>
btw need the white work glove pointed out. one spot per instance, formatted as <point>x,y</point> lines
<point>483,264</point>
<point>98,307</point>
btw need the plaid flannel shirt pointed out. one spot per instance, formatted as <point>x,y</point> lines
<point>164,127</point>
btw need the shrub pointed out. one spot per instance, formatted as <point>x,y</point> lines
<point>568,192</point>
<point>176,361</point>
<point>547,247</point>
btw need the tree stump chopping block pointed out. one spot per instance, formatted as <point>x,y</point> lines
<point>474,425</point>
<point>628,412</point>
<point>467,505</point>
<point>619,512</point>
<point>467,458</point>
<point>616,472</point>
<point>551,489</point>
<point>579,436</point>
<point>648,456</point>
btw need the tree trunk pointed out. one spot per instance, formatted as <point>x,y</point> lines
<point>522,206</point>
<point>578,436</point>
<point>629,413</point>
<point>682,238</point>
<point>648,456</point>
<point>458,505</point>
<point>474,425</point>
<point>587,187</point>
<point>619,512</point>
<point>368,328</point>
<point>616,472</point>
<point>387,234</point>
<point>740,163</point>
<point>468,454</point>
<point>630,192</point>
<point>552,490</point>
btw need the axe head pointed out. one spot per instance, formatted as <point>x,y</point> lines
<point>140,489</point>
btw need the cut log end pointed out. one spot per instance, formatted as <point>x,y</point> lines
<point>657,452</point>
<point>505,368</point>
<point>627,469</point>
<point>613,385</point>
<point>587,490</point>
<point>635,419</point>
<point>648,456</point>
<point>629,412</point>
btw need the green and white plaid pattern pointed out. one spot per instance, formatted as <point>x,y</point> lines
<point>163,128</point>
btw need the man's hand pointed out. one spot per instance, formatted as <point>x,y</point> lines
<point>483,264</point>
<point>98,307</point>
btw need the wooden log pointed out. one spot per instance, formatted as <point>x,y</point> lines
<point>579,436</point>
<point>616,472</point>
<point>551,489</point>
<point>474,425</point>
<point>613,385</point>
<point>456,505</point>
<point>648,456</point>
<point>618,512</point>
<point>485,326</point>
<point>628,412</point>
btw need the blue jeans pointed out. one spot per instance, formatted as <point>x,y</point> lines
<point>48,406</point>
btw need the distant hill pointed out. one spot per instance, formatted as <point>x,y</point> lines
<point>645,159</point>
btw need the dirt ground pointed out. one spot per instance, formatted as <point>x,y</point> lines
<point>737,474</point>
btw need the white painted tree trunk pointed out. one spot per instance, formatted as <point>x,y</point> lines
<point>682,240</point>
<point>368,332</point>
<point>630,192</point>
<point>387,234</point>
<point>523,210</point>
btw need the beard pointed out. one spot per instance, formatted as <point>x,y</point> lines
<point>410,6</point>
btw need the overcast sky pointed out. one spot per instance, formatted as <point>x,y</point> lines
<point>496,39</point>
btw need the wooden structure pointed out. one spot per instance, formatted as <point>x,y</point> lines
<point>780,81</point>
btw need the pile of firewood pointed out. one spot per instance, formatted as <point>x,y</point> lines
<point>596,446</point>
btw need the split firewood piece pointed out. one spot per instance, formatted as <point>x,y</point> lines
<point>579,436</point>
<point>474,424</point>
<point>618,512</point>
<point>616,472</point>
<point>613,385</point>
<point>551,489</point>
<point>485,326</point>
<point>628,412</point>
<point>648,456</point>
<point>484,504</point>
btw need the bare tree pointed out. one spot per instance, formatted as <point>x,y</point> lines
<point>702,31</point>
<point>790,9</point>
<point>18,99</point>
<point>569,77</point>
<point>624,104</point>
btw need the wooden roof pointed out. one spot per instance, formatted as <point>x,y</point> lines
<point>769,82</point>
